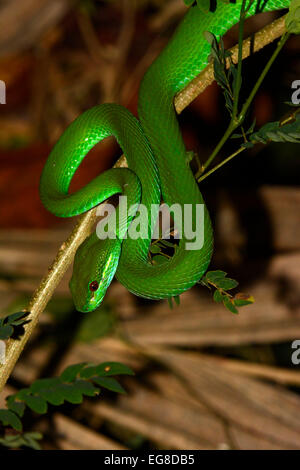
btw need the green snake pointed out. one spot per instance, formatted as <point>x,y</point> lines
<point>157,168</point>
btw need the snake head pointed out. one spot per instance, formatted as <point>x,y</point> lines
<point>95,264</point>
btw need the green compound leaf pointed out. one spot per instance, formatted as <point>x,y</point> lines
<point>286,131</point>
<point>8,418</point>
<point>28,439</point>
<point>9,324</point>
<point>226,77</point>
<point>71,386</point>
<point>293,17</point>
<point>222,285</point>
<point>110,384</point>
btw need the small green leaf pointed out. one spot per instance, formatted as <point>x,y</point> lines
<point>12,442</point>
<point>71,393</point>
<point>55,396</point>
<point>113,368</point>
<point>240,300</point>
<point>26,439</point>
<point>21,394</point>
<point>88,372</point>
<point>17,407</point>
<point>226,283</point>
<point>86,388</point>
<point>17,318</point>
<point>71,372</point>
<point>36,403</point>
<point>213,276</point>
<point>49,390</point>
<point>8,418</point>
<point>188,3</point>
<point>6,332</point>
<point>236,136</point>
<point>229,304</point>
<point>42,384</point>
<point>34,435</point>
<point>247,145</point>
<point>7,324</point>
<point>159,259</point>
<point>167,243</point>
<point>109,383</point>
<point>292,20</point>
<point>154,249</point>
<point>177,299</point>
<point>218,296</point>
<point>29,440</point>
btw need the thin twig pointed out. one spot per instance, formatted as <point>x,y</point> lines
<point>86,222</point>
<point>223,162</point>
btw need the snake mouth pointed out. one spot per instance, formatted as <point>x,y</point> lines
<point>92,304</point>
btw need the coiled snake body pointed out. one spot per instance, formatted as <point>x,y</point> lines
<point>158,167</point>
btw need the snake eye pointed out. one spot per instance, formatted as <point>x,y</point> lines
<point>93,286</point>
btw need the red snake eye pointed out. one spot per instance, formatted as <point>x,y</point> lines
<point>93,286</point>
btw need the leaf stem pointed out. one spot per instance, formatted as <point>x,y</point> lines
<point>208,173</point>
<point>217,149</point>
<point>257,85</point>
